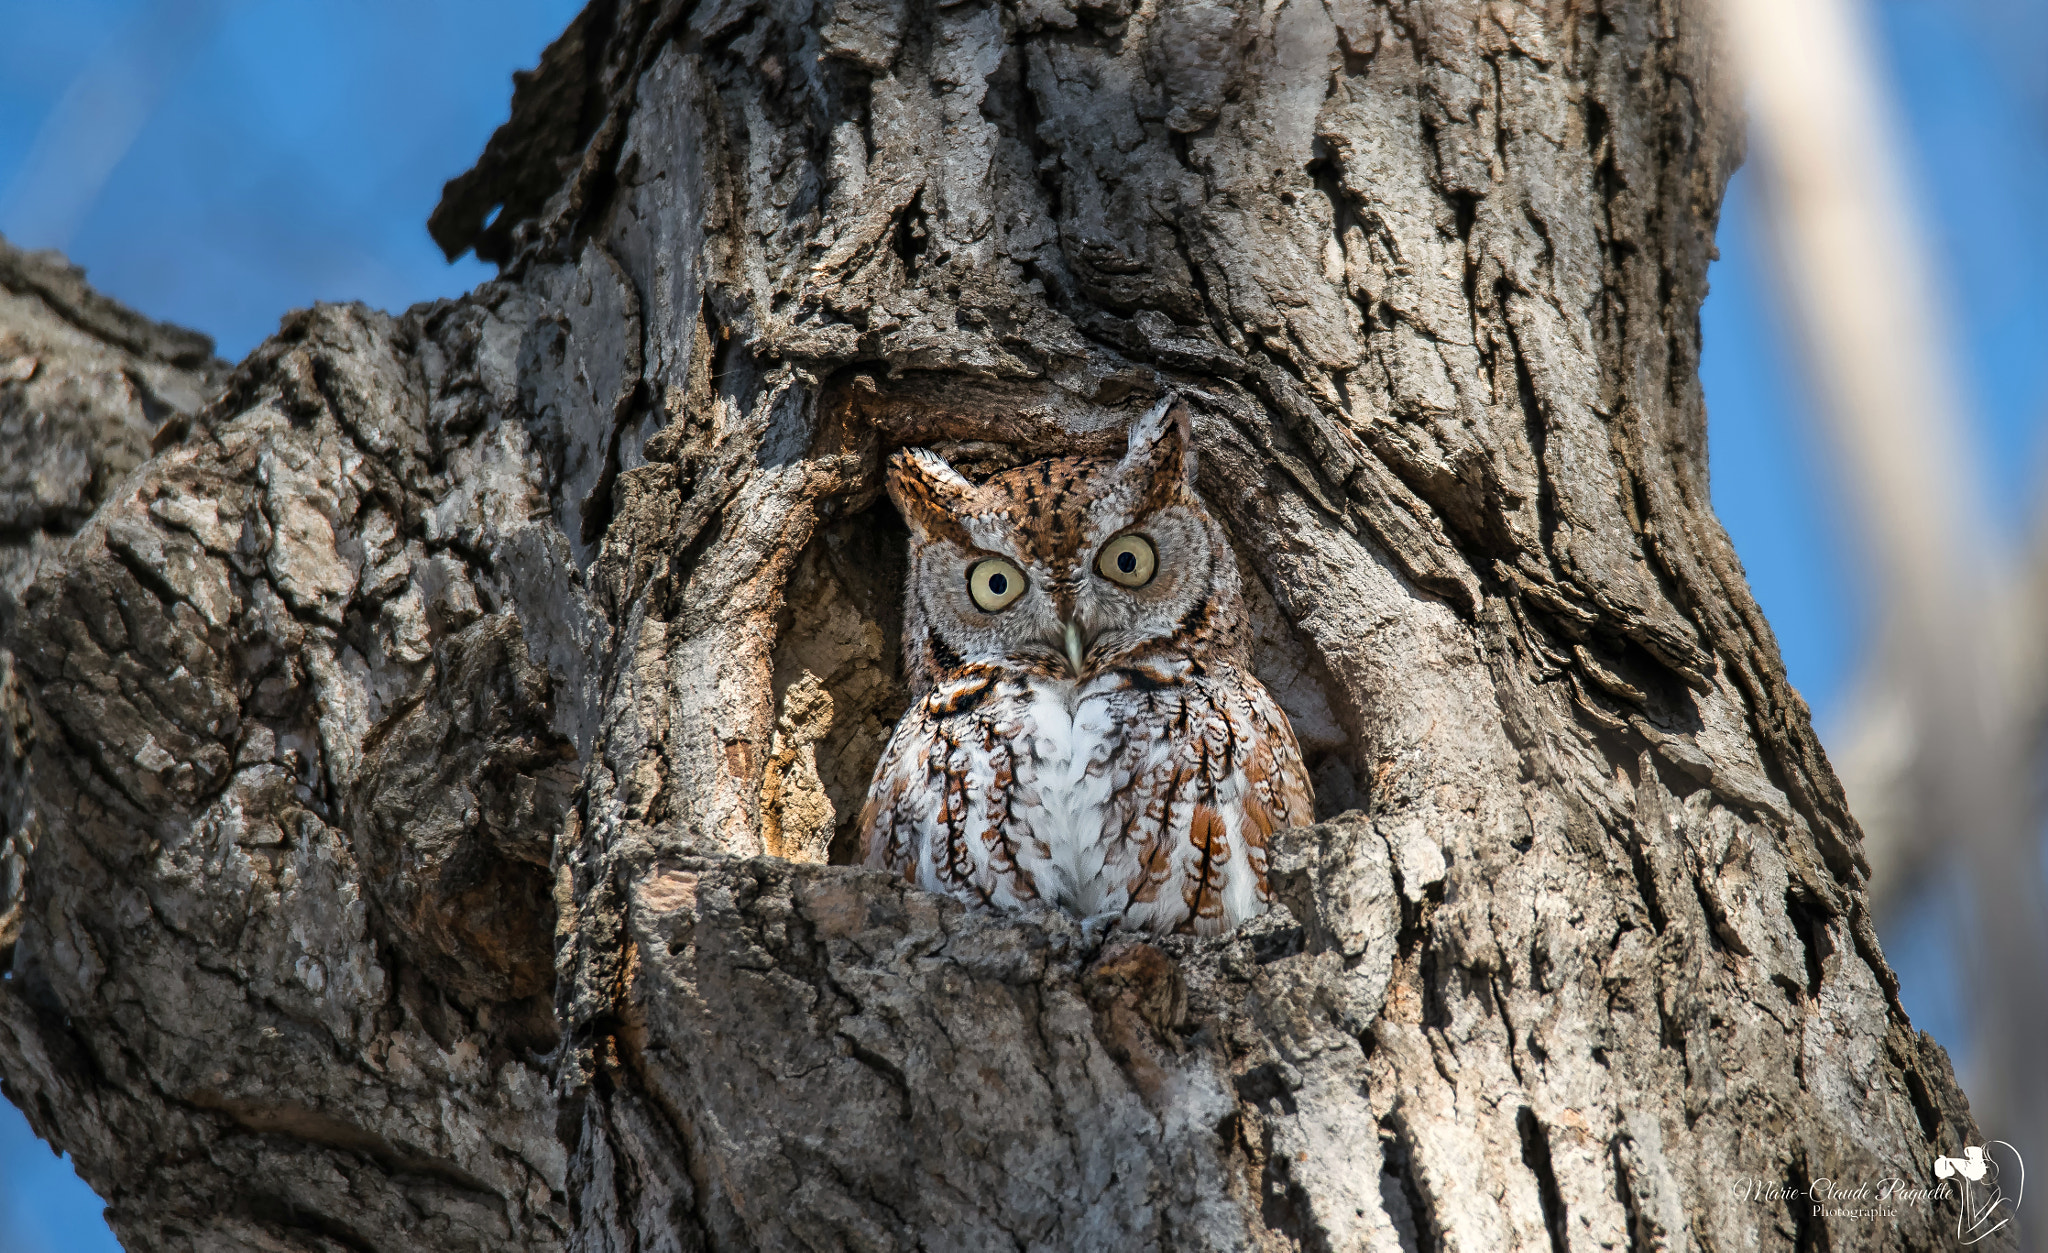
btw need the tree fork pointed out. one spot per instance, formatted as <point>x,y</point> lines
<point>425,776</point>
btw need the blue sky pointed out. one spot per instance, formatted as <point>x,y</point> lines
<point>271,154</point>
<point>290,151</point>
<point>1970,80</point>
<point>1977,163</point>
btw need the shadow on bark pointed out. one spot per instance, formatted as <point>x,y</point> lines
<point>571,605</point>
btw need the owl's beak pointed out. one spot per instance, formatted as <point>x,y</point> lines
<point>1074,648</point>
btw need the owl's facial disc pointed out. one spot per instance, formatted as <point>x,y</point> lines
<point>1071,565</point>
<point>1141,577</point>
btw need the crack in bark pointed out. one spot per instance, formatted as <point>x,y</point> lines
<point>698,143</point>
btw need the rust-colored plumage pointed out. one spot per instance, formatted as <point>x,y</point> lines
<point>1098,741</point>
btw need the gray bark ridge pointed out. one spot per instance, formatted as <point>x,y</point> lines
<point>272,762</point>
<point>427,770</point>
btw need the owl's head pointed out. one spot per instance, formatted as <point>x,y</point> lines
<point>1069,566</point>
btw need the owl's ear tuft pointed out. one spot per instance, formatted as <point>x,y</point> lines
<point>1160,457</point>
<point>932,496</point>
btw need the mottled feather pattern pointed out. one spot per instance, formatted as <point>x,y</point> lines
<point>1092,745</point>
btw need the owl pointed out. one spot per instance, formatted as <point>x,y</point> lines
<point>1085,730</point>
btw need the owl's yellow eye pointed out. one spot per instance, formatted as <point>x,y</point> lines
<point>1127,559</point>
<point>995,583</point>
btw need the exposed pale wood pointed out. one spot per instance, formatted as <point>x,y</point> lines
<point>1589,949</point>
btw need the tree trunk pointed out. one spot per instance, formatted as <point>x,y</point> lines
<point>434,771</point>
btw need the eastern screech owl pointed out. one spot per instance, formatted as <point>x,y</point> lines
<point>1085,730</point>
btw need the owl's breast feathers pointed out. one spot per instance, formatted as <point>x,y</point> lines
<point>1147,791</point>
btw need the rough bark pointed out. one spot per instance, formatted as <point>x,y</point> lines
<point>430,772</point>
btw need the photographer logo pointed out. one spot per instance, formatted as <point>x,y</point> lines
<point>1985,1183</point>
<point>1989,1187</point>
